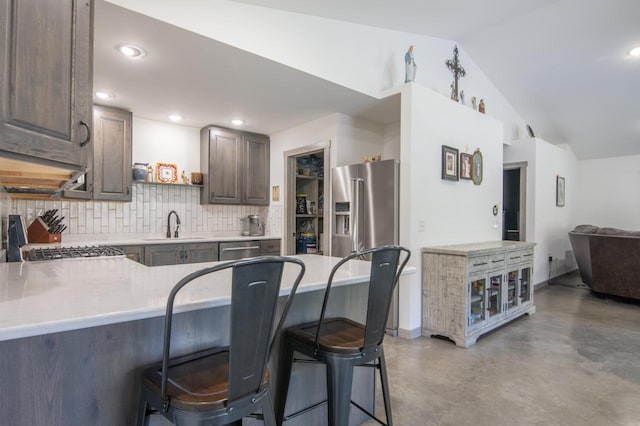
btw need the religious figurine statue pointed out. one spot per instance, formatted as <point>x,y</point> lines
<point>410,66</point>
<point>457,70</point>
<point>473,103</point>
<point>462,97</point>
<point>184,178</point>
<point>481,106</point>
<point>150,173</point>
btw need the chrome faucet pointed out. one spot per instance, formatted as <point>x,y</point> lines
<point>169,224</point>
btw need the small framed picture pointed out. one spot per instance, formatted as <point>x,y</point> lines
<point>449,163</point>
<point>477,167</point>
<point>559,191</point>
<point>465,166</point>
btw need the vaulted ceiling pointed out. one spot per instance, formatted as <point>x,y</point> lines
<point>562,64</point>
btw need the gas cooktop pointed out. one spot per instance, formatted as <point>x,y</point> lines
<point>73,252</point>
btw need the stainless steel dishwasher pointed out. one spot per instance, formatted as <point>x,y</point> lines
<point>239,250</point>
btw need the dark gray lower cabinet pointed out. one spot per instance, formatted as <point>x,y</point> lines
<point>174,254</point>
<point>135,253</point>
<point>270,248</point>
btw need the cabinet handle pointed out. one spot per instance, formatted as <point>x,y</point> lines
<point>213,195</point>
<point>479,264</point>
<point>496,261</point>
<point>128,191</point>
<point>88,138</point>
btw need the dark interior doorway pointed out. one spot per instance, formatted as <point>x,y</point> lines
<point>511,196</point>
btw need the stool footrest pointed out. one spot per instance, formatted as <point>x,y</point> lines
<point>304,410</point>
<point>368,413</point>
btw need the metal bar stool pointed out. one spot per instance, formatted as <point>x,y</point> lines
<point>220,386</point>
<point>343,344</point>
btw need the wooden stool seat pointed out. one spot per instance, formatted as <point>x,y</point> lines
<point>340,335</point>
<point>197,382</point>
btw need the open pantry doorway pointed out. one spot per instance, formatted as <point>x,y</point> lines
<point>307,200</point>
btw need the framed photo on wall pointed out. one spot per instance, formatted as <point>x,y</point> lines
<point>477,167</point>
<point>559,191</point>
<point>449,163</point>
<point>465,165</point>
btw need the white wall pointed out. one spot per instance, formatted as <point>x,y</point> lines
<point>316,133</point>
<point>363,58</point>
<point>158,142</point>
<point>609,192</point>
<point>548,224</point>
<point>357,138</point>
<point>435,211</point>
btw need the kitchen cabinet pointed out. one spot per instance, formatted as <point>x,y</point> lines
<point>236,165</point>
<point>135,253</point>
<point>109,176</point>
<point>270,248</point>
<point>46,81</point>
<point>111,154</point>
<point>174,254</point>
<point>471,289</point>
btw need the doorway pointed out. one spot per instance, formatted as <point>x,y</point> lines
<point>306,188</point>
<point>514,184</point>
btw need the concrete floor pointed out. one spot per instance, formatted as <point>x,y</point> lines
<point>575,362</point>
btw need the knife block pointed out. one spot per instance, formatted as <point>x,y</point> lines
<point>38,232</point>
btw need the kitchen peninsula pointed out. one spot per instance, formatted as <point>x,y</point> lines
<point>74,334</point>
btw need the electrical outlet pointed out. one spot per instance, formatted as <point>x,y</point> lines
<point>550,258</point>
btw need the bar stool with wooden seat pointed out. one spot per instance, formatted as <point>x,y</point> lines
<point>220,386</point>
<point>343,344</point>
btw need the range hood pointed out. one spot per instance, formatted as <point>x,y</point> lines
<point>29,180</point>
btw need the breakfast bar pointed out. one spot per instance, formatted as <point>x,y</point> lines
<point>74,334</point>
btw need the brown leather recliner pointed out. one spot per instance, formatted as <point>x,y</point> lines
<point>608,259</point>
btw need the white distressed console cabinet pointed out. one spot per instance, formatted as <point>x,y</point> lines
<point>470,289</point>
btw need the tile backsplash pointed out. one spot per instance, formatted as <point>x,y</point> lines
<point>147,213</point>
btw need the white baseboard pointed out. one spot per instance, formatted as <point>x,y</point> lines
<point>409,334</point>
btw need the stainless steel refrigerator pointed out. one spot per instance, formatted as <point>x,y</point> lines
<point>365,213</point>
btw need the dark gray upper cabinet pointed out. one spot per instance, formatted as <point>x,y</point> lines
<point>111,154</point>
<point>46,81</point>
<point>256,169</point>
<point>236,166</point>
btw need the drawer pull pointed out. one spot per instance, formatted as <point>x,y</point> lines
<point>528,255</point>
<point>480,264</point>
<point>496,261</point>
<point>515,257</point>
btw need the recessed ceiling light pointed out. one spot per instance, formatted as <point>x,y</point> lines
<point>237,122</point>
<point>104,95</point>
<point>175,117</point>
<point>132,51</point>
<point>635,51</point>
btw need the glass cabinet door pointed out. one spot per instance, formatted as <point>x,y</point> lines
<point>494,297</point>
<point>477,311</point>
<point>512,284</point>
<point>525,282</point>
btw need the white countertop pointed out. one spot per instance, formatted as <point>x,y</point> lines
<point>470,249</point>
<point>52,296</point>
<point>145,239</point>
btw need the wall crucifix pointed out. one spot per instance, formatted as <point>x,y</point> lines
<point>457,70</point>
